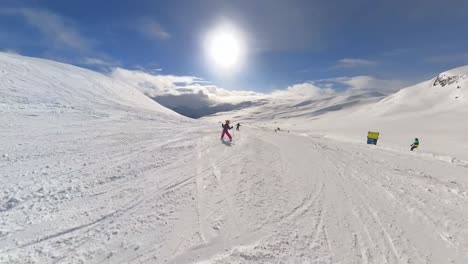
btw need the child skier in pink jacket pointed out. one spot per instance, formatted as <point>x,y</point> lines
<point>226,128</point>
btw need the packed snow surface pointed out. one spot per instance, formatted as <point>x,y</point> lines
<point>92,171</point>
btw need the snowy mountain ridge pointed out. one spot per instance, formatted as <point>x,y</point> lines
<point>446,92</point>
<point>44,85</point>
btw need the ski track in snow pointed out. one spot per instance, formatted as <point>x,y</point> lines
<point>268,198</point>
<point>331,202</point>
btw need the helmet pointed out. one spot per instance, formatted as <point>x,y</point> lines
<point>416,139</point>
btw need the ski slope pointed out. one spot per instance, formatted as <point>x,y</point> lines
<point>285,198</point>
<point>92,171</point>
<point>434,111</point>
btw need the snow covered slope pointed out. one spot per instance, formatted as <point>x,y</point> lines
<point>31,84</point>
<point>447,92</point>
<point>285,198</point>
<point>91,171</point>
<point>280,109</point>
<point>434,111</point>
<point>72,141</point>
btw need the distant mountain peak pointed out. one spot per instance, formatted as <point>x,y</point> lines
<point>443,80</point>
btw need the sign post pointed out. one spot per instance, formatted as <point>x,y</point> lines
<point>372,137</point>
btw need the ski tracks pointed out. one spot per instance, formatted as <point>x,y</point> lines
<point>268,198</point>
<point>352,204</point>
<point>385,201</point>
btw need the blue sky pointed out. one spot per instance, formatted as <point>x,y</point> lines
<point>288,42</point>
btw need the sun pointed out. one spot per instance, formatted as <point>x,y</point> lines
<point>225,47</point>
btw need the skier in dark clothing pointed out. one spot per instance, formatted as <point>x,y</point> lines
<point>237,126</point>
<point>415,144</point>
<point>226,128</point>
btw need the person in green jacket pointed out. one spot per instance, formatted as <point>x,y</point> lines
<point>415,144</point>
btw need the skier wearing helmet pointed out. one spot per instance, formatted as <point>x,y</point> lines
<point>226,128</point>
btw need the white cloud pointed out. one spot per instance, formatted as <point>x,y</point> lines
<point>151,29</point>
<point>349,63</point>
<point>190,91</point>
<point>164,85</point>
<point>93,61</point>
<point>57,30</point>
<point>153,85</point>
<point>61,38</point>
<point>103,63</point>
<point>150,69</point>
<point>303,90</point>
<point>363,83</point>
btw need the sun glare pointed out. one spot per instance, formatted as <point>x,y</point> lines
<point>225,48</point>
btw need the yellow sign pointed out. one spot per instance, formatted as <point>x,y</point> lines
<point>373,135</point>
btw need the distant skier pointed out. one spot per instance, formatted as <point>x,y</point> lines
<point>237,126</point>
<point>226,128</point>
<point>415,144</point>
